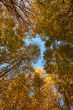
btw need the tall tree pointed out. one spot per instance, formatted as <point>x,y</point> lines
<point>54,19</point>
<point>29,93</point>
<point>13,51</point>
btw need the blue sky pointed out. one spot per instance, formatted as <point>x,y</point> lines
<point>37,40</point>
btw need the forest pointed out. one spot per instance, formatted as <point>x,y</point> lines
<point>36,54</point>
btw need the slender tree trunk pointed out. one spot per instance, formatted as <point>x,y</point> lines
<point>66,102</point>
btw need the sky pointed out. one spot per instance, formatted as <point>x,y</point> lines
<point>37,40</point>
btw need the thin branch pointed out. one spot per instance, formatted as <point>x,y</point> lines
<point>6,71</point>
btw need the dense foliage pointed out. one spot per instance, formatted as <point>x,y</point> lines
<point>21,86</point>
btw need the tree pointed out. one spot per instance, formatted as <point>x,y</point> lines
<point>13,51</point>
<point>59,61</point>
<point>29,93</point>
<point>19,9</point>
<point>54,19</point>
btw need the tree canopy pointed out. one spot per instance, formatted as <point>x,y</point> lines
<point>21,85</point>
